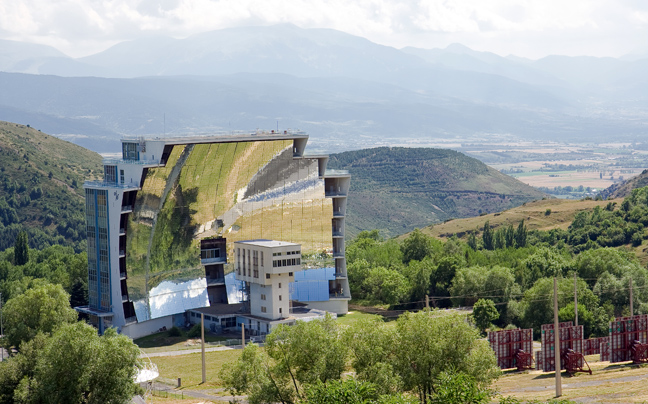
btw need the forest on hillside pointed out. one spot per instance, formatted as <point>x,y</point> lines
<point>511,269</point>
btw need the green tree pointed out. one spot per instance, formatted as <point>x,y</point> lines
<point>308,351</point>
<point>460,388</point>
<point>521,235</point>
<point>472,241</point>
<point>484,313</point>
<point>78,366</point>
<point>40,309</point>
<point>416,246</point>
<point>373,354</point>
<point>487,237</point>
<point>21,249</point>
<point>429,343</point>
<point>254,375</point>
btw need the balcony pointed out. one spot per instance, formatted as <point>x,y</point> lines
<point>337,233</point>
<point>339,296</point>
<point>130,320</point>
<point>122,275</point>
<point>124,298</point>
<point>104,184</point>
<point>122,253</point>
<point>336,173</point>
<point>122,232</point>
<point>212,261</point>
<point>127,209</point>
<point>338,254</point>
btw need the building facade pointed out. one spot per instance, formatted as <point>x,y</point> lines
<point>163,222</point>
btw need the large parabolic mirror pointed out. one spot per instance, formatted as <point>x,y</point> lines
<point>243,191</point>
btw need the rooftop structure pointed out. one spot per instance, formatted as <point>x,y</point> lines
<point>163,223</point>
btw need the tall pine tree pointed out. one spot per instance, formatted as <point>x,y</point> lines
<point>21,249</point>
<point>487,236</point>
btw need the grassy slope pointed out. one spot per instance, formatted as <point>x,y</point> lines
<point>533,213</point>
<point>625,188</point>
<point>398,189</point>
<point>27,157</point>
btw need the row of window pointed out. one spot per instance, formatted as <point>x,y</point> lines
<point>225,322</point>
<point>278,254</point>
<point>286,262</point>
<point>209,254</point>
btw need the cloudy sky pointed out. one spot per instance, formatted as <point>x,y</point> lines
<point>529,28</point>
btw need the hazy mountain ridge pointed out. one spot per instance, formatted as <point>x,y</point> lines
<point>331,84</point>
<point>398,189</point>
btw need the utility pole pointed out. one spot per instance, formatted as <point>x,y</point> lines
<point>202,332</point>
<point>427,302</point>
<point>575,301</point>
<point>1,329</point>
<point>557,341</point>
<point>631,300</point>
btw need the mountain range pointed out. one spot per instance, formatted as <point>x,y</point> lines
<point>344,90</point>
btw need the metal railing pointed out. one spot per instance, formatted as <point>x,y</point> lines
<point>103,184</point>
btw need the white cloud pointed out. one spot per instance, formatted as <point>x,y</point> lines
<point>525,27</point>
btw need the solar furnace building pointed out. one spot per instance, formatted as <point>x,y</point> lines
<point>169,200</point>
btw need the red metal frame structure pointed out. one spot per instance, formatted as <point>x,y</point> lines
<point>605,350</point>
<point>629,339</point>
<point>570,337</point>
<point>574,362</point>
<point>513,348</point>
<point>592,346</point>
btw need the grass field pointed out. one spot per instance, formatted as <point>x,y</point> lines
<point>609,383</point>
<point>189,368</point>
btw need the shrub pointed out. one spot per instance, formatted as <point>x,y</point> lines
<point>547,212</point>
<point>194,332</point>
<point>175,332</point>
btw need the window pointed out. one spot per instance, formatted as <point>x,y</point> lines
<point>279,297</point>
<point>110,174</point>
<point>121,176</point>
<point>261,258</point>
<point>263,297</point>
<point>256,273</point>
<point>290,274</point>
<point>267,276</point>
<point>274,263</point>
<point>279,285</point>
<point>263,309</point>
<point>279,310</point>
<point>129,151</point>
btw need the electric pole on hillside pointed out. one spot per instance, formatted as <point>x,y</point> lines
<point>631,300</point>
<point>575,301</point>
<point>202,332</point>
<point>557,341</point>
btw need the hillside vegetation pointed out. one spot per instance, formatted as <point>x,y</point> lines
<point>623,189</point>
<point>396,189</point>
<point>509,267</point>
<point>41,187</point>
